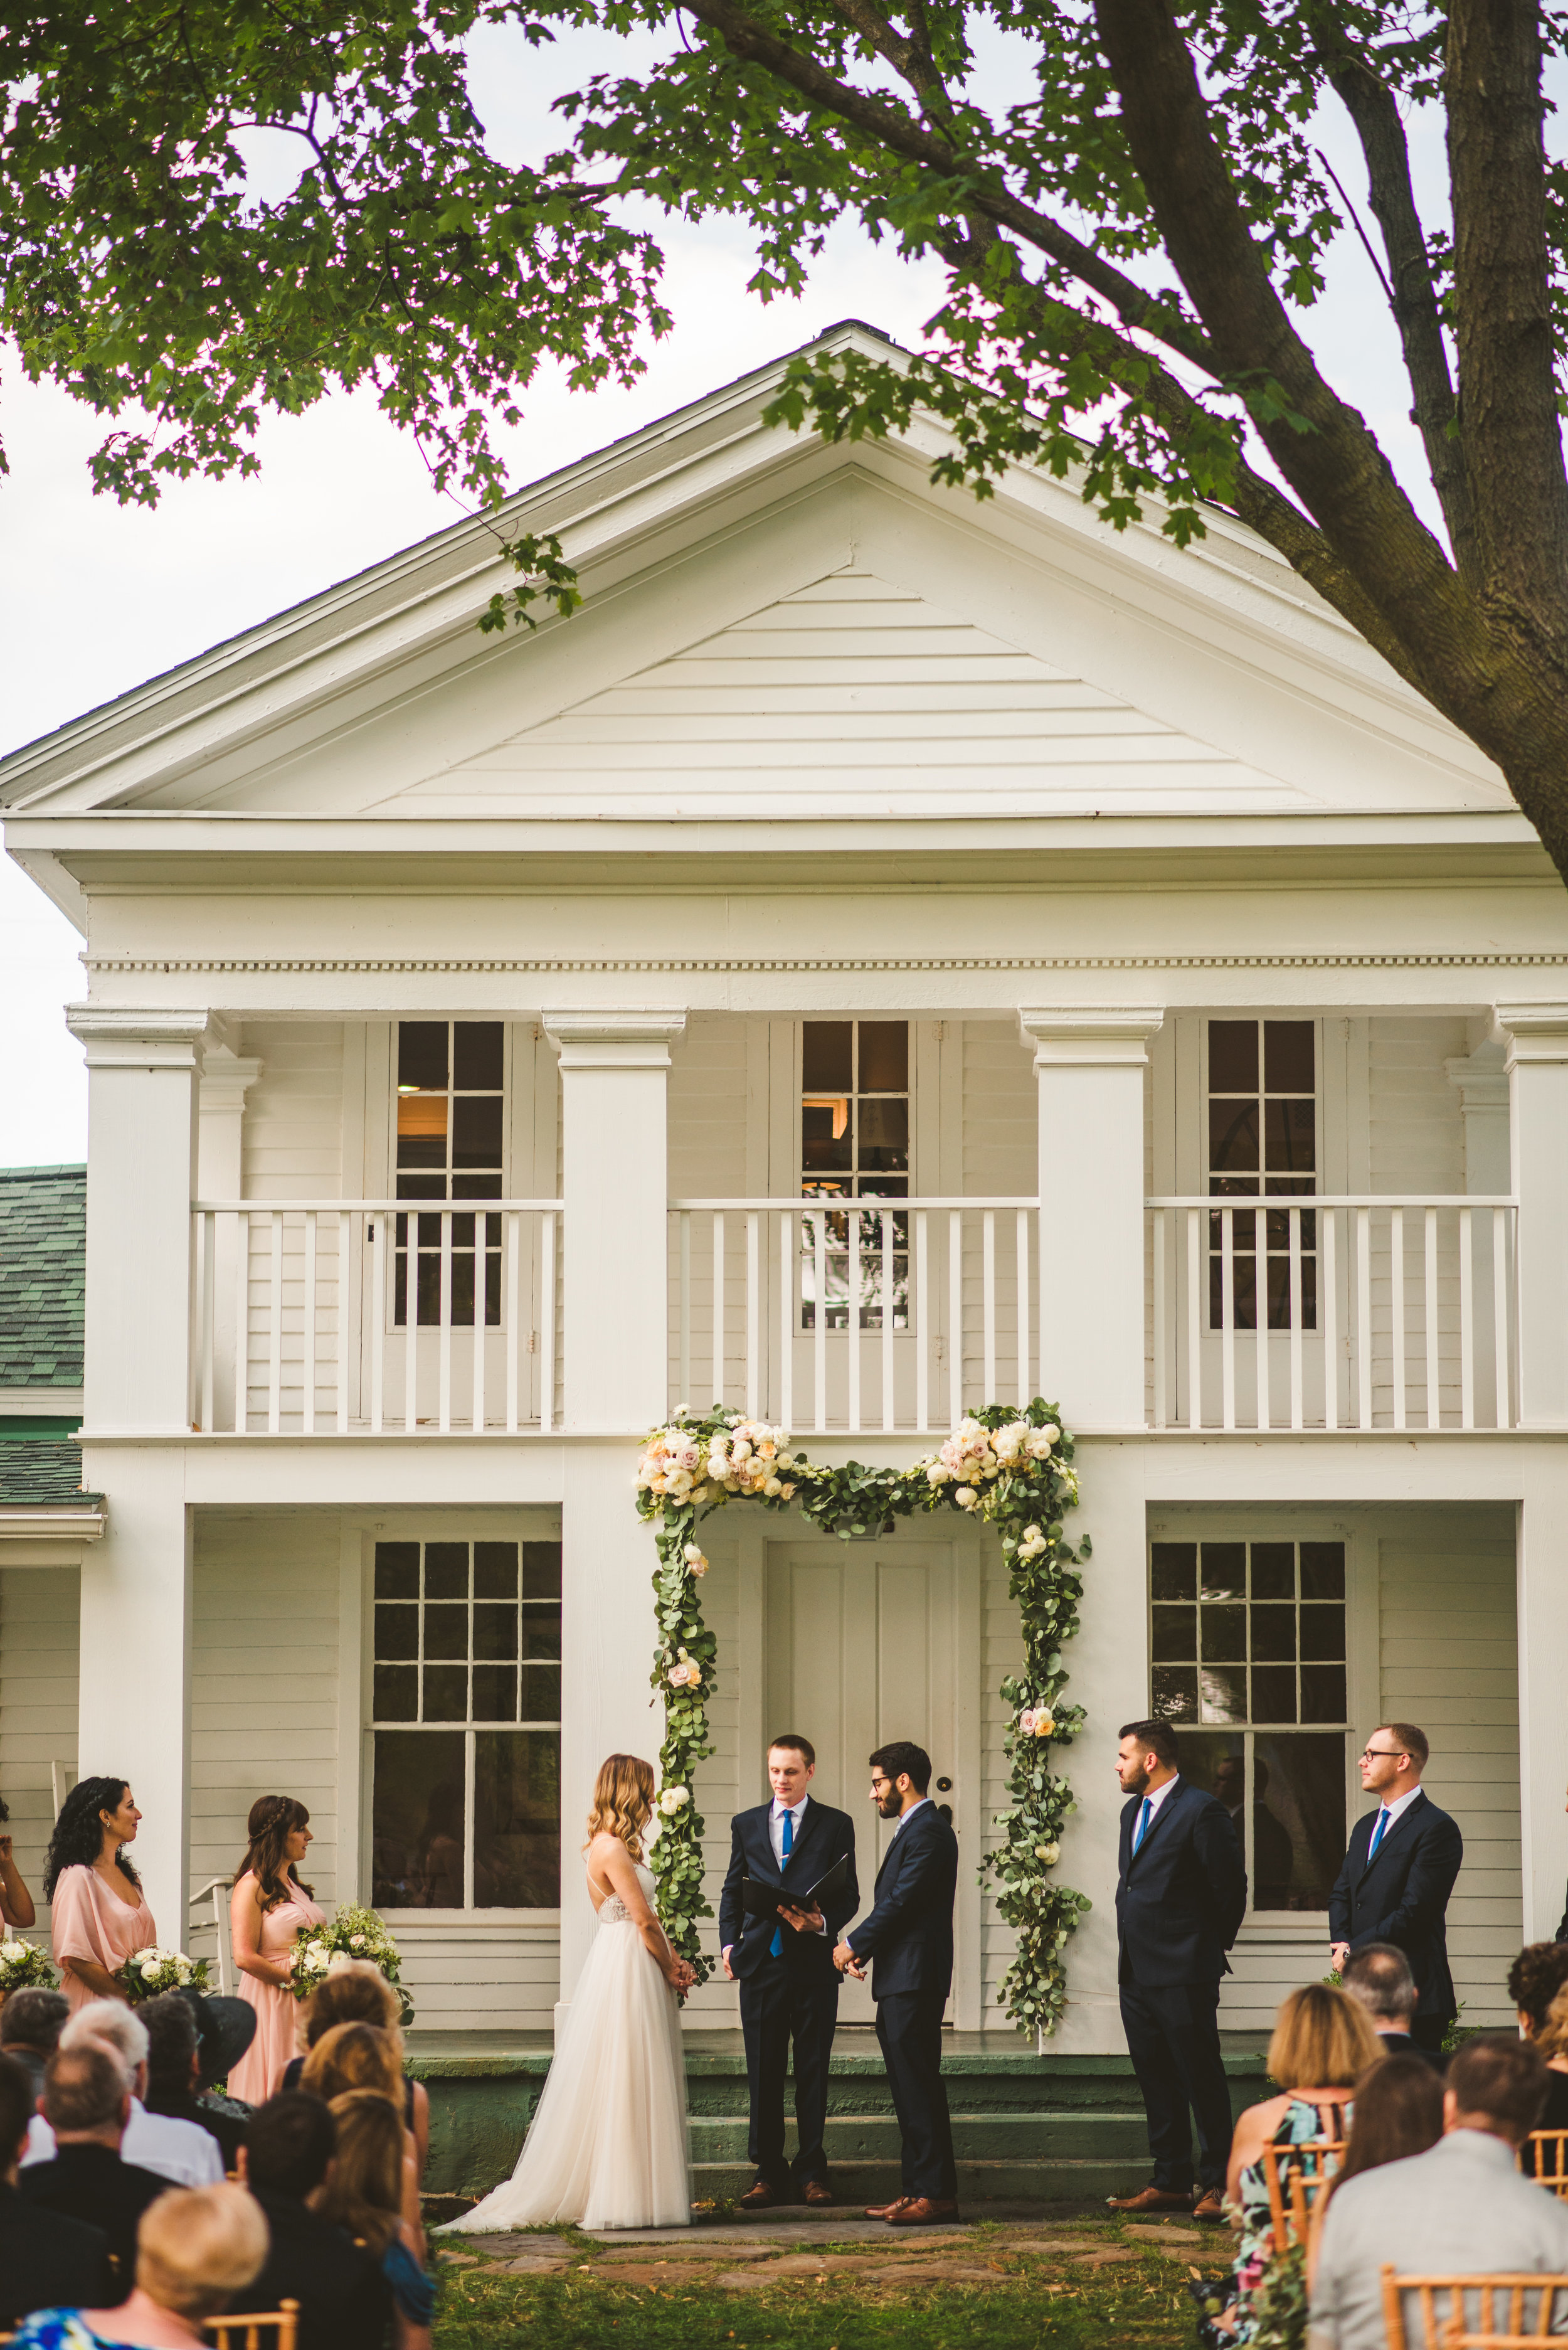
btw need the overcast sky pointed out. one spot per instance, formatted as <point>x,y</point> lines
<point>94,598</point>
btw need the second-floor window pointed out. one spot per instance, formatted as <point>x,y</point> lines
<point>451,1131</point>
<point>854,1145</point>
<point>1262,1140</point>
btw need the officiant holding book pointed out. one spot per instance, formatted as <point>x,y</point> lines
<point>789,1892</point>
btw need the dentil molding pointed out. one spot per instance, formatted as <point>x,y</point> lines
<point>129,964</point>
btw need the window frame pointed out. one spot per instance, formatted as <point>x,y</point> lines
<point>1284,1014</point>
<point>1362,1661</point>
<point>898,1203</point>
<point>430,1331</point>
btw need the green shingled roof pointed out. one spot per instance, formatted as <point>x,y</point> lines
<point>43,1275</point>
<point>44,1475</point>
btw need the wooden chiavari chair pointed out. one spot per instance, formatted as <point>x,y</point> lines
<point>1503,2307</point>
<point>1550,2158</point>
<point>269,2329</point>
<point>1293,2195</point>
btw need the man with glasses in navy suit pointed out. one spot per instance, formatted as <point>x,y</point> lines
<point>1181,1901</point>
<point>1398,1874</point>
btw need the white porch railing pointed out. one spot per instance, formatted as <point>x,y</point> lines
<point>1387,1312</point>
<point>853,1317</point>
<point>300,1319</point>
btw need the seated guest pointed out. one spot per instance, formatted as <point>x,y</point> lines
<point>196,2252</point>
<point>1552,2039</point>
<point>179,2151</point>
<point>1378,1976</point>
<point>364,2196</point>
<point>345,2302</point>
<point>173,2070</point>
<point>1535,1980</point>
<point>1460,2210</point>
<point>360,1993</point>
<point>1399,2112</point>
<point>362,2056</point>
<point>88,2108</point>
<point>30,2024</point>
<point>1323,2044</point>
<point>45,2258</point>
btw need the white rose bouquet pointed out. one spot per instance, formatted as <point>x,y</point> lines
<point>148,1973</point>
<point>702,1461</point>
<point>23,1964</point>
<point>355,1933</point>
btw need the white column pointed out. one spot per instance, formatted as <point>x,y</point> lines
<point>1543,1603</point>
<point>226,1078</point>
<point>1090,1061</point>
<point>142,1068</point>
<point>614,1078</point>
<point>1481,1081</point>
<point>1537,1037</point>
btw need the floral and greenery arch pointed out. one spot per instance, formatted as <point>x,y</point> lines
<point>1011,1469</point>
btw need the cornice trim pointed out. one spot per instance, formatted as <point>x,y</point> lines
<point>127,965</point>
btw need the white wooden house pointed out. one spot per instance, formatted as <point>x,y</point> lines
<point>1028,883</point>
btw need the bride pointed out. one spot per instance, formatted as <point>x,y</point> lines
<point>608,2144</point>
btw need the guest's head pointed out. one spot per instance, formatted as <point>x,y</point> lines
<point>289,2144</point>
<point>33,2019</point>
<point>1379,1978</point>
<point>1146,1756</point>
<point>197,2247</point>
<point>1496,2082</point>
<point>1534,1980</point>
<point>353,2056</point>
<point>279,1836</point>
<point>1322,2039</point>
<point>97,1816</point>
<point>365,2191</point>
<point>1398,2111</point>
<point>356,1993</point>
<point>170,2023</point>
<point>17,2102</point>
<point>1552,2037</point>
<point>623,1800</point>
<point>109,2023</point>
<point>86,2100</point>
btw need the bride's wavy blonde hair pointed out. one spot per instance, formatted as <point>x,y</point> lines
<point>623,1800</point>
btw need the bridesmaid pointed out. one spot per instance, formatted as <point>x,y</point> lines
<point>100,1915</point>
<point>267,1908</point>
<point>16,1901</point>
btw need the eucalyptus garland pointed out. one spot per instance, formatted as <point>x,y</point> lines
<point>1011,1470</point>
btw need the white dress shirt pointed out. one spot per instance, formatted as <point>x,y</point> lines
<point>1394,1811</point>
<point>909,1813</point>
<point>1153,1797</point>
<point>795,1813</point>
<point>182,2152</point>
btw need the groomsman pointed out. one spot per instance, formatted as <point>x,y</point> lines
<point>908,1938</point>
<point>1398,1874</point>
<point>1180,1899</point>
<point>783,1965</point>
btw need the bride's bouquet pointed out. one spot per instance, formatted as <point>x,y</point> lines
<point>22,1964</point>
<point>146,1974</point>
<point>356,1933</point>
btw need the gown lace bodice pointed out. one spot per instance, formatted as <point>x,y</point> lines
<point>613,1911</point>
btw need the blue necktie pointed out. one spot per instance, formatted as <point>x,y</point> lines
<point>1377,1833</point>
<point>1143,1820</point>
<point>775,1947</point>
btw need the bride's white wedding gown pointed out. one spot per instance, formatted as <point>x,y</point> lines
<point>608,2145</point>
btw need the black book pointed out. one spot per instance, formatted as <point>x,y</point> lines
<point>761,1898</point>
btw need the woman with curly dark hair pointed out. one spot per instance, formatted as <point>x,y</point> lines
<point>1535,1984</point>
<point>267,1908</point>
<point>100,1915</point>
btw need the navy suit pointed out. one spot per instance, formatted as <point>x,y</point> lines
<point>793,1997</point>
<point>1181,1901</point>
<point>1401,1896</point>
<point>908,1938</point>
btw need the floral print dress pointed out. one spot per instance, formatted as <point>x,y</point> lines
<point>1226,2314</point>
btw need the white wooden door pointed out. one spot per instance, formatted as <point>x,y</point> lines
<point>863,1645</point>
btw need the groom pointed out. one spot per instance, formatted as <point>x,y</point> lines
<point>783,1964</point>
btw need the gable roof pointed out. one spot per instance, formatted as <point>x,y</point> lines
<point>44,1474</point>
<point>43,1277</point>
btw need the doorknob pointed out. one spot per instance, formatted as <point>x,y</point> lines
<point>944,1786</point>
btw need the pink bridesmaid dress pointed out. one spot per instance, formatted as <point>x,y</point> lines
<point>88,1921</point>
<point>258,2075</point>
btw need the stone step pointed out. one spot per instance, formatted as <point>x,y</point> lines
<point>867,2093</point>
<point>980,2137</point>
<point>858,2183</point>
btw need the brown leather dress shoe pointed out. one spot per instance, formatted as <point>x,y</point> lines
<point>818,2191</point>
<point>1151,2198</point>
<point>1210,2206</point>
<point>759,2197</point>
<point>920,2211</point>
<point>886,2211</point>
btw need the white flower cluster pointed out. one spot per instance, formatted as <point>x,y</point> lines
<point>22,1962</point>
<point>673,1800</point>
<point>685,1672</point>
<point>973,1456</point>
<point>740,1456</point>
<point>149,1973</point>
<point>321,1950</point>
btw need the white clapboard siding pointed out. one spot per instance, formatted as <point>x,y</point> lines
<point>40,1620</point>
<point>1416,1142</point>
<point>480,1977</point>
<point>1449,1662</point>
<point>292,1148</point>
<point>264,1684</point>
<point>1000,1159</point>
<point>1002,1652</point>
<point>718,1780</point>
<point>706,1134</point>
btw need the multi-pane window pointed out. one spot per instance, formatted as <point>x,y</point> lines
<point>1262,1139</point>
<point>466,1804</point>
<point>450,1097</point>
<point>854,1145</point>
<point>1248,1649</point>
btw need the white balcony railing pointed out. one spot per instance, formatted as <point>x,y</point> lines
<point>1382,1313</point>
<point>855,1317</point>
<point>302,1325</point>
